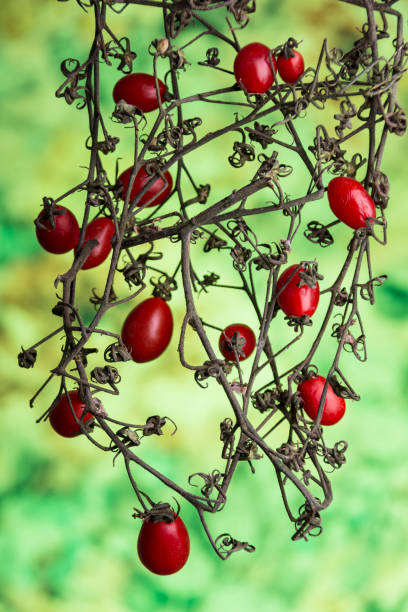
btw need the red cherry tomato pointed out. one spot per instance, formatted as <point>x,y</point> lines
<point>163,547</point>
<point>156,194</point>
<point>311,392</point>
<point>296,301</point>
<point>61,418</point>
<point>350,202</point>
<point>147,329</point>
<point>248,344</point>
<point>103,229</point>
<point>252,68</point>
<point>63,237</point>
<point>292,67</point>
<point>139,89</point>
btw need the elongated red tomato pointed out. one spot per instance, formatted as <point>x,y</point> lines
<point>350,202</point>
<point>163,547</point>
<point>61,418</point>
<point>147,329</point>
<point>156,194</point>
<point>247,342</point>
<point>139,89</point>
<point>252,68</point>
<point>296,300</point>
<point>292,67</point>
<point>102,229</point>
<point>311,392</point>
<point>63,237</point>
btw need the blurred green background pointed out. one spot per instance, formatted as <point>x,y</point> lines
<point>67,538</point>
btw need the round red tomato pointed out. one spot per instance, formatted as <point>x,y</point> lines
<point>103,229</point>
<point>163,547</point>
<point>61,418</point>
<point>350,202</point>
<point>157,193</point>
<point>248,341</point>
<point>252,68</point>
<point>292,67</point>
<point>296,301</point>
<point>139,89</point>
<point>63,237</point>
<point>147,329</point>
<point>311,391</point>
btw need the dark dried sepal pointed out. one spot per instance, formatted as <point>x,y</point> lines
<point>211,482</point>
<point>117,352</point>
<point>59,310</point>
<point>212,369</point>
<point>27,358</point>
<point>318,234</point>
<point>106,375</point>
<point>158,512</point>
<point>298,323</point>
<point>265,400</point>
<point>163,287</point>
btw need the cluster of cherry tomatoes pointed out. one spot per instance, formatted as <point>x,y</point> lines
<point>147,329</point>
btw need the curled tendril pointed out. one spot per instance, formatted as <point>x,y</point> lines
<point>318,233</point>
<point>227,545</point>
<point>308,523</point>
<point>367,289</point>
<point>121,50</point>
<point>335,456</point>
<point>211,482</point>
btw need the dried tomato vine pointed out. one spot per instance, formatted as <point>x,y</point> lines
<point>364,84</point>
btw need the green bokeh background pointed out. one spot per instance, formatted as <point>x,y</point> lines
<point>67,538</point>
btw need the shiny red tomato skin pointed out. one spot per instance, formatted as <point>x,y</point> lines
<point>311,392</point>
<point>252,68</point>
<point>297,301</point>
<point>103,229</point>
<point>244,331</point>
<point>141,178</point>
<point>65,235</point>
<point>350,202</point>
<point>147,329</point>
<point>61,418</point>
<point>163,548</point>
<point>139,89</point>
<point>291,68</point>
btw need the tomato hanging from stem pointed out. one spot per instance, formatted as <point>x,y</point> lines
<point>63,237</point>
<point>297,298</point>
<point>311,390</point>
<point>252,68</point>
<point>239,335</point>
<point>156,194</point>
<point>63,421</point>
<point>292,67</point>
<point>147,329</point>
<point>103,230</point>
<point>139,89</point>
<point>163,546</point>
<point>350,202</point>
